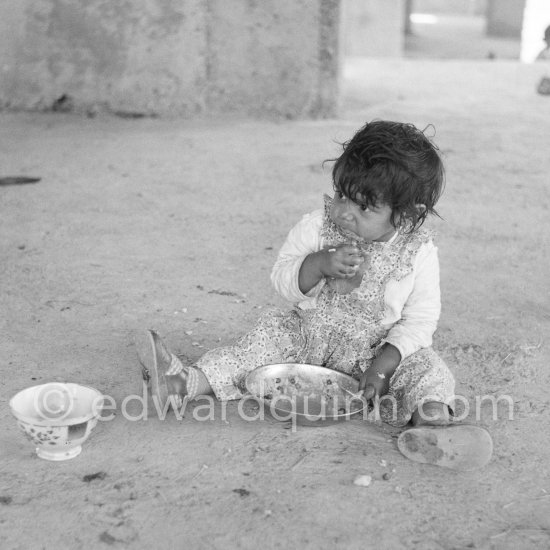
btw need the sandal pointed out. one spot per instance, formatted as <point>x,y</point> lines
<point>460,447</point>
<point>156,362</point>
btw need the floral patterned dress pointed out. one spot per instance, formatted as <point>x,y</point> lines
<point>343,332</point>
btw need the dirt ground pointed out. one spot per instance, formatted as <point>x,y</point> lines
<point>175,225</point>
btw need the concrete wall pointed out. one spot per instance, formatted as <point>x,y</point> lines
<point>172,57</point>
<point>373,28</point>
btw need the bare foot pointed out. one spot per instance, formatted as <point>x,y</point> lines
<point>431,413</point>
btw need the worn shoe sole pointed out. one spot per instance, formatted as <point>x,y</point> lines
<point>460,447</point>
<point>144,343</point>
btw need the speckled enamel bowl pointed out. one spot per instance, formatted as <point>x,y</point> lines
<point>57,418</point>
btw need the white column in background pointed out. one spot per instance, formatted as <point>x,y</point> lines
<point>535,20</point>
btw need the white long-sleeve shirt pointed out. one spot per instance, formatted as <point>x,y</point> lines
<point>413,303</point>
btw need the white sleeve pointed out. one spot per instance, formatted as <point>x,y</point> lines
<point>303,239</point>
<point>422,309</point>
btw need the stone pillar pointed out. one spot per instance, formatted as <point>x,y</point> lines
<point>505,17</point>
<point>276,57</point>
<point>407,26</point>
<point>374,28</point>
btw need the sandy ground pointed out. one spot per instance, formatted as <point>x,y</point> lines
<point>175,225</point>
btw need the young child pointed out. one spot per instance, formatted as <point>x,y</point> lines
<point>544,54</point>
<point>543,86</point>
<point>364,277</point>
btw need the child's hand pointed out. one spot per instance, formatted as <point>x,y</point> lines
<point>374,383</point>
<point>341,262</point>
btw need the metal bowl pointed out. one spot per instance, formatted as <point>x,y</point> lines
<point>307,393</point>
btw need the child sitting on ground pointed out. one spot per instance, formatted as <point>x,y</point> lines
<point>544,54</point>
<point>364,277</point>
<point>543,87</point>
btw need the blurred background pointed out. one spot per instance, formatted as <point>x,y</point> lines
<point>445,29</point>
<point>267,58</point>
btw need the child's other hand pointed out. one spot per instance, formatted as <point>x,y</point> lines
<point>374,383</point>
<point>341,262</point>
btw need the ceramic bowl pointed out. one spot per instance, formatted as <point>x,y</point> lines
<point>57,418</point>
<point>308,393</point>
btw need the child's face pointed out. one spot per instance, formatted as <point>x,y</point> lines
<point>370,224</point>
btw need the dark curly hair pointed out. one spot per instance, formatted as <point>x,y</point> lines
<point>392,163</point>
